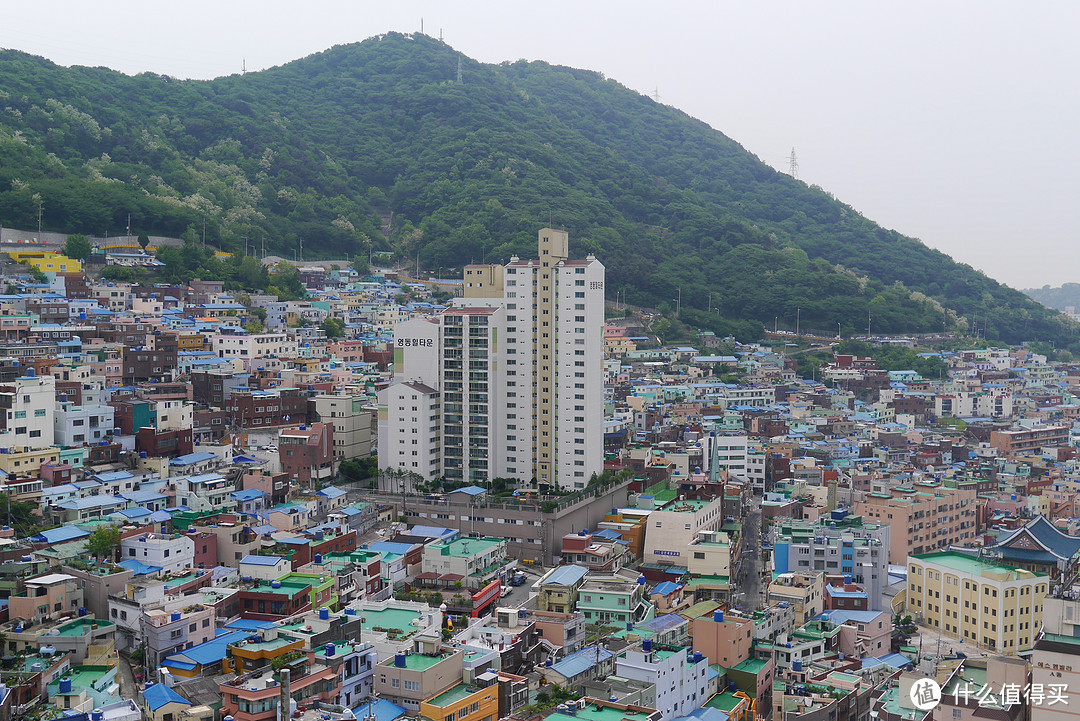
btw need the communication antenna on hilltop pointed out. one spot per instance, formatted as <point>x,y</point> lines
<point>656,94</point>
<point>793,165</point>
<point>421,26</point>
<point>459,70</point>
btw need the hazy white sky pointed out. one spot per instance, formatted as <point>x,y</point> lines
<point>952,122</point>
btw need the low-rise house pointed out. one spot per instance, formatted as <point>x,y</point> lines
<point>409,679</point>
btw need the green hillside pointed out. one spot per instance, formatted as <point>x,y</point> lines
<point>378,145</point>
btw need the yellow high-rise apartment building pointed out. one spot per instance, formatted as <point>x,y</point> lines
<point>995,607</point>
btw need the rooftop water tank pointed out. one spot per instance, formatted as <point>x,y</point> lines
<point>718,616</point>
<point>275,584</point>
<point>65,685</point>
<point>330,649</point>
<point>324,614</point>
<point>399,660</point>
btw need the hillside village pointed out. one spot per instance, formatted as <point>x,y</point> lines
<point>220,506</point>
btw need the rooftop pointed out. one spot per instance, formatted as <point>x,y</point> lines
<point>418,661</point>
<point>454,695</point>
<point>970,564</point>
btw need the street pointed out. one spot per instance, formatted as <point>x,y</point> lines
<point>748,582</point>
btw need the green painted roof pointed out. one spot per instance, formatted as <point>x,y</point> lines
<point>724,701</point>
<point>452,696</point>
<point>964,563</point>
<point>469,547</point>
<point>701,608</point>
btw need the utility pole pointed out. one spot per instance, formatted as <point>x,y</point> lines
<point>678,304</point>
<point>798,318</point>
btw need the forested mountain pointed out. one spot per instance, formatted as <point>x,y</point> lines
<point>1065,296</point>
<point>339,147</point>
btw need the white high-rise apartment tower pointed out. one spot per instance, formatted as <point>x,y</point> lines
<point>518,362</point>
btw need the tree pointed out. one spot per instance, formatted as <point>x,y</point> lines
<point>360,265</point>
<point>144,241</point>
<point>333,328</point>
<point>103,542</point>
<point>117,272</point>
<point>77,247</point>
<point>20,515</point>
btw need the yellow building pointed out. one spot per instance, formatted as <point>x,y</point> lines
<point>27,463</point>
<point>47,261</point>
<point>995,607</point>
<point>618,346</point>
<point>191,342</point>
<point>465,703</point>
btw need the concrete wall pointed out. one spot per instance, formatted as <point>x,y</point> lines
<point>586,513</point>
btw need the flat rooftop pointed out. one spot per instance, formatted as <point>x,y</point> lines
<point>452,696</point>
<point>976,566</point>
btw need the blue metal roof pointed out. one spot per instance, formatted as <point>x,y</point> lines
<point>197,457</point>
<point>331,492</point>
<point>247,624</point>
<point>470,490</point>
<point>248,494</point>
<point>663,623</point>
<point>431,531</point>
<point>80,504</point>
<point>580,662</point>
<point>60,535</point>
<point>138,568</point>
<point>262,560</point>
<point>142,496</point>
<point>566,575</point>
<point>842,617</point>
<point>160,695</point>
<point>136,512</point>
<point>210,652</point>
<point>897,660</point>
<point>666,588</point>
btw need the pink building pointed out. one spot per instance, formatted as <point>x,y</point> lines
<point>725,640</point>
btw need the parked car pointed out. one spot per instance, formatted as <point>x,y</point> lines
<point>505,591</point>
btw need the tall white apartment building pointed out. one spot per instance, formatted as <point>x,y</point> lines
<point>28,407</point>
<point>518,364</point>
